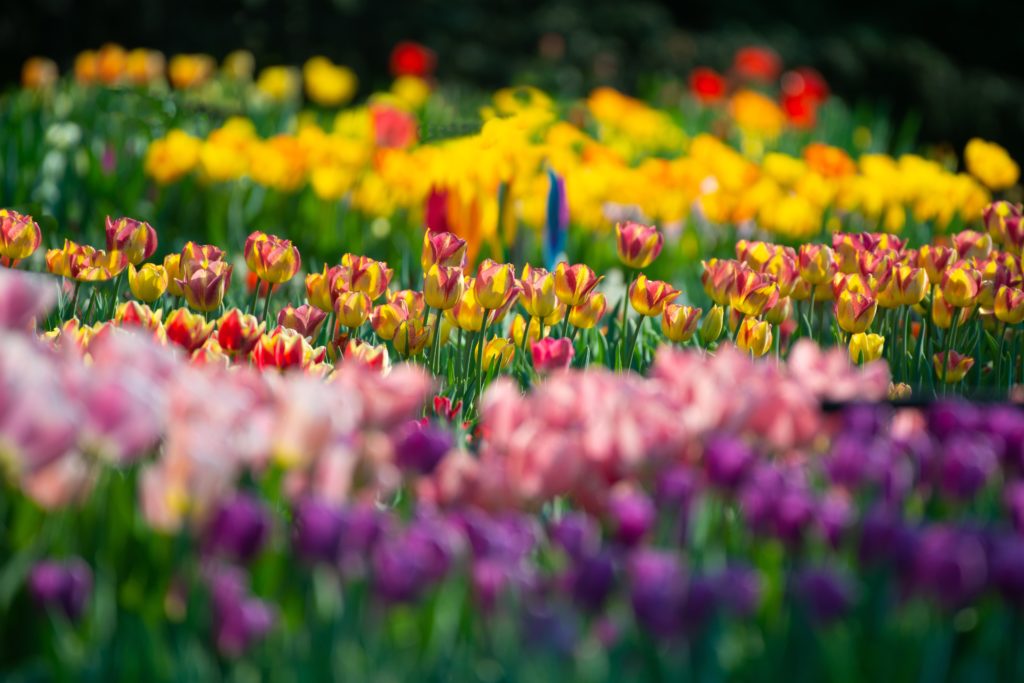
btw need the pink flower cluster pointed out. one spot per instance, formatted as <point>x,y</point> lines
<point>579,433</point>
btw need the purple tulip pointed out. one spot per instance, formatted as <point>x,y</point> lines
<point>419,448</point>
<point>727,460</point>
<point>577,534</point>
<point>967,463</point>
<point>657,590</point>
<point>632,516</point>
<point>700,602</point>
<point>489,579</point>
<point>593,580</point>
<point>835,517</point>
<point>885,539</point>
<point>950,565</point>
<point>824,593</point>
<point>1008,568</point>
<point>239,528</point>
<point>239,620</point>
<point>863,421</point>
<point>317,530</point>
<point>1006,425</point>
<point>62,585</point>
<point>739,589</point>
<point>794,512</point>
<point>951,418</point>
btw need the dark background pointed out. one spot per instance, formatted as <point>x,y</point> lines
<point>956,63</point>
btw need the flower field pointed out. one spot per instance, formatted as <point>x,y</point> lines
<point>299,381</point>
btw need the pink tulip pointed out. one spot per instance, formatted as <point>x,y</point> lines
<point>552,354</point>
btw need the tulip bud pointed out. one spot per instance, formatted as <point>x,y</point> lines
<point>638,245</point>
<point>972,245</point>
<point>955,367</point>
<point>719,278</point>
<point>132,313</point>
<point>552,354</point>
<point>780,312</point>
<point>753,293</point>
<point>648,297</point>
<point>306,319</point>
<point>538,296</point>
<point>754,336</point>
<point>375,357</point>
<point>498,350</point>
<point>854,311</point>
<point>442,286</point>
<point>1009,305</point>
<point>237,332</point>
<point>90,265</point>
<point>210,353</point>
<point>172,266</point>
<point>352,308</point>
<point>866,347</point>
<point>494,282</point>
<point>467,314</point>
<point>282,349</point>
<point>147,283</point>
<point>817,264</point>
<point>386,318</point>
<point>588,313</point>
<point>319,287</point>
<point>679,323</point>
<point>934,260</point>
<point>364,274</point>
<point>711,327</point>
<point>414,301</point>
<point>187,329</point>
<point>19,236</point>
<point>273,259</point>
<point>135,238</point>
<point>574,284</point>
<point>206,285</point>
<point>961,285</point>
<point>411,337</point>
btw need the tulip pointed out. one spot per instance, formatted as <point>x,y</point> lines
<point>847,247</point>
<point>306,319</point>
<point>58,261</point>
<point>589,313</point>
<point>935,260</point>
<point>718,278</point>
<point>443,286</point>
<point>206,285</point>
<point>780,312</point>
<point>906,287</point>
<point>237,332</point>
<point>420,448</point>
<point>943,311</point>
<point>494,282</point>
<point>66,586</point>
<point>90,265</point>
<point>519,328</point>
<point>467,314</point>
<point>374,357</point>
<point>319,288</point>
<point>782,267</point>
<point>187,329</point>
<point>411,337</point>
<point>712,325</point>
<point>132,313</point>
<point>386,318</point>
<point>195,255</point>
<point>443,249</point>
<point>147,283</point>
<point>679,323</point>
<point>538,296</point>
<point>239,528</point>
<point>363,274</point>
<point>753,293</point>
<point>638,245</point>
<point>866,347</point>
<point>754,336</point>
<point>172,266</point>
<point>136,239</point>
<point>414,301</point>
<point>19,236</point>
<point>995,215</point>
<point>239,620</point>
<point>498,351</point>
<point>282,348</point>
<point>352,308</point>
<point>1009,305</point>
<point>854,311</point>
<point>952,367</point>
<point>972,245</point>
<point>274,260</point>
<point>648,297</point>
<point>817,264</point>
<point>575,284</point>
<point>961,285</point>
<point>551,354</point>
<point>756,254</point>
<point>632,516</point>
<point>657,590</point>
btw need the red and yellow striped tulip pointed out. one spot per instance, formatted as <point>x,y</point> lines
<point>443,249</point>
<point>754,336</point>
<point>574,284</point>
<point>637,245</point>
<point>649,297</point>
<point>137,239</point>
<point>538,297</point>
<point>19,236</point>
<point>237,332</point>
<point>187,329</point>
<point>679,323</point>
<point>443,286</point>
<point>855,311</point>
<point>273,259</point>
<point>588,313</point>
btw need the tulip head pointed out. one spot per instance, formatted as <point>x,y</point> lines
<point>961,285</point>
<point>135,238</point>
<point>96,265</point>
<point>498,351</point>
<point>319,288</point>
<point>574,284</point>
<point>194,255</point>
<point>719,278</point>
<point>187,329</point>
<point>413,300</point>
<point>712,325</point>
<point>366,275</point>
<point>237,332</point>
<point>638,245</point>
<point>855,311</point>
<point>817,263</point>
<point>538,297</point>
<point>443,249</point>
<point>679,323</point>
<point>134,314</point>
<point>306,319</point>
<point>753,293</point>
<point>1009,305</point>
<point>206,285</point>
<point>494,282</point>
<point>649,297</point>
<point>521,326</point>
<point>282,349</point>
<point>148,283</point>
<point>19,236</point>
<point>467,314</point>
<point>972,245</point>
<point>443,286</point>
<point>952,367</point>
<point>866,347</point>
<point>352,308</point>
<point>780,312</point>
<point>273,259</point>
<point>935,260</point>
<point>411,337</point>
<point>551,354</point>
<point>386,318</point>
<point>172,266</point>
<point>588,313</point>
<point>754,336</point>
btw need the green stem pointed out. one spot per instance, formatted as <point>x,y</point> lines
<point>266,303</point>
<point>633,340</point>
<point>565,325</point>
<point>255,298</point>
<point>625,311</point>
<point>810,317</point>
<point>434,353</point>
